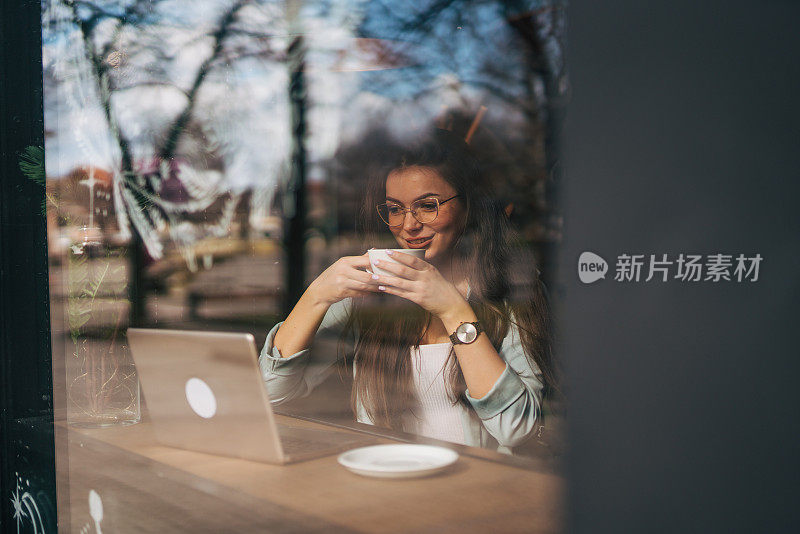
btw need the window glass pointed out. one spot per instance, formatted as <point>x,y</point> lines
<point>209,164</point>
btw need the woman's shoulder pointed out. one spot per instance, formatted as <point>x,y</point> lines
<point>338,312</point>
<point>512,348</point>
<point>512,330</point>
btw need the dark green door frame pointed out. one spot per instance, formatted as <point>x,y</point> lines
<point>27,457</point>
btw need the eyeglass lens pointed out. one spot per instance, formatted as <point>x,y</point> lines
<point>424,210</point>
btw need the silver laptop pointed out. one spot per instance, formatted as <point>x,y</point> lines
<point>204,392</point>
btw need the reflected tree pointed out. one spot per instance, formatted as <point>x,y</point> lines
<point>138,50</point>
<point>502,56</point>
<point>165,77</point>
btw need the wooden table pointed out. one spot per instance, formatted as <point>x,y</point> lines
<point>146,487</point>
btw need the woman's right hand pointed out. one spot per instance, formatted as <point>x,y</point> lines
<point>347,277</point>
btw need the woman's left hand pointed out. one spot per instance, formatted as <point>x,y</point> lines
<point>420,282</point>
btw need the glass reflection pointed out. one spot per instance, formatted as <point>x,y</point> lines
<point>208,162</point>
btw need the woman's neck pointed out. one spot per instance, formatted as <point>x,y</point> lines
<point>452,269</point>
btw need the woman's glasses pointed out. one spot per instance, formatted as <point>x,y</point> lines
<point>425,210</point>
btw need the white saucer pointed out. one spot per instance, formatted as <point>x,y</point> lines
<point>398,461</point>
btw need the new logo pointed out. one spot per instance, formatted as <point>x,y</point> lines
<point>591,267</point>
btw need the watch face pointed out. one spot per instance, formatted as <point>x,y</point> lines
<point>466,333</point>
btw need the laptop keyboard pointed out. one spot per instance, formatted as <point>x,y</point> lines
<point>301,442</point>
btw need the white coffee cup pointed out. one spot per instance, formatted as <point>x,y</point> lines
<point>380,254</point>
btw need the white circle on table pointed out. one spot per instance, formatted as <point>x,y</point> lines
<point>200,397</point>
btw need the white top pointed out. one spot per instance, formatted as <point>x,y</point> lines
<point>436,416</point>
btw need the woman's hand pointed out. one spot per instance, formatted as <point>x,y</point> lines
<point>421,283</point>
<point>345,278</point>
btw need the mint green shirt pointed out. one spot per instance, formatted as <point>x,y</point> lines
<point>506,417</point>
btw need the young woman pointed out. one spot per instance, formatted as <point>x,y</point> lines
<point>443,347</point>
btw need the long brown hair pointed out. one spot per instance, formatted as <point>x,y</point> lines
<point>387,327</point>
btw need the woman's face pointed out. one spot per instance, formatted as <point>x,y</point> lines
<point>404,186</point>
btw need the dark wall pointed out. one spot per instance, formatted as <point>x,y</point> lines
<point>26,408</point>
<point>682,137</point>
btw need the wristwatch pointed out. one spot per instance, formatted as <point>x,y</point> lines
<point>466,333</point>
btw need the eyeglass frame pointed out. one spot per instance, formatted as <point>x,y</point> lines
<point>409,209</point>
